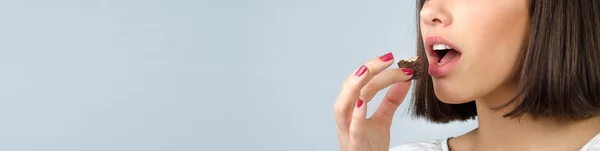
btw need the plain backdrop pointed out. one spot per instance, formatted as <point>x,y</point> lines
<point>189,75</point>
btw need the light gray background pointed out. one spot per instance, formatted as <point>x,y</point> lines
<point>189,75</point>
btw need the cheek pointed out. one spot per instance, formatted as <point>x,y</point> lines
<point>493,34</point>
<point>424,30</point>
<point>494,52</point>
<point>492,40</point>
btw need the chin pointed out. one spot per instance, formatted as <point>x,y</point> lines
<point>448,93</point>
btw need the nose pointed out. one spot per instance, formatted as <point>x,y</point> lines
<point>435,13</point>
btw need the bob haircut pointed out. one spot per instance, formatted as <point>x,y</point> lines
<point>558,74</point>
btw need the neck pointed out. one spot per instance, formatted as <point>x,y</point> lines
<point>525,133</point>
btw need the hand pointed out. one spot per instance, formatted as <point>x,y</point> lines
<point>355,131</point>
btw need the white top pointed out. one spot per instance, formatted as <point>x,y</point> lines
<point>442,145</point>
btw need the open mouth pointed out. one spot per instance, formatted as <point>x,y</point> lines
<point>443,56</point>
<point>445,53</point>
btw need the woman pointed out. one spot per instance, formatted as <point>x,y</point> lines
<point>528,69</point>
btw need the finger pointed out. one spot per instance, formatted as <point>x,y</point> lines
<point>384,80</point>
<point>352,86</point>
<point>358,128</point>
<point>376,65</point>
<point>343,106</point>
<point>391,101</point>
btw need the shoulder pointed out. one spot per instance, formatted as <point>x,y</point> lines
<point>431,145</point>
<point>592,145</point>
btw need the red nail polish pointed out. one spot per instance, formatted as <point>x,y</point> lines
<point>408,71</point>
<point>387,57</point>
<point>361,70</point>
<point>359,103</point>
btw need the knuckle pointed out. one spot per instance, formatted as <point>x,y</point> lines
<point>394,102</point>
<point>386,114</point>
<point>367,91</point>
<point>357,118</point>
<point>339,108</point>
<point>381,116</point>
<point>351,81</point>
<point>350,86</point>
<point>353,135</point>
<point>336,108</point>
<point>345,82</point>
<point>368,88</point>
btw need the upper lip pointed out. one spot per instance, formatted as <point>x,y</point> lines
<point>432,40</point>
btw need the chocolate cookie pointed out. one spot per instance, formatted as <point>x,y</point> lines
<point>413,63</point>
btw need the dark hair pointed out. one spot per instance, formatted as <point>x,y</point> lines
<point>559,73</point>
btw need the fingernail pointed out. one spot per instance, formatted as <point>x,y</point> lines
<point>361,70</point>
<point>408,71</point>
<point>359,103</point>
<point>387,57</point>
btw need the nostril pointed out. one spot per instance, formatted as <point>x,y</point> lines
<point>435,20</point>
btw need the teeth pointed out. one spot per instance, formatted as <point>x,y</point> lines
<point>441,47</point>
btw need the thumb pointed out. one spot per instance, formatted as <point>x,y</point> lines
<point>392,100</point>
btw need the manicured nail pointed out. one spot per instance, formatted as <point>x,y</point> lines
<point>387,57</point>
<point>361,70</point>
<point>408,71</point>
<point>359,103</point>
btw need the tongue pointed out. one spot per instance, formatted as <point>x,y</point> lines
<point>449,56</point>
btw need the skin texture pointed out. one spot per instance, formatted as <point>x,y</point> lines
<point>490,34</point>
<point>355,131</point>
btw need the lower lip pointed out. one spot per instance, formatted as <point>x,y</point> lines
<point>436,70</point>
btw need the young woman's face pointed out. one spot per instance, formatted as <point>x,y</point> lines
<point>486,37</point>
